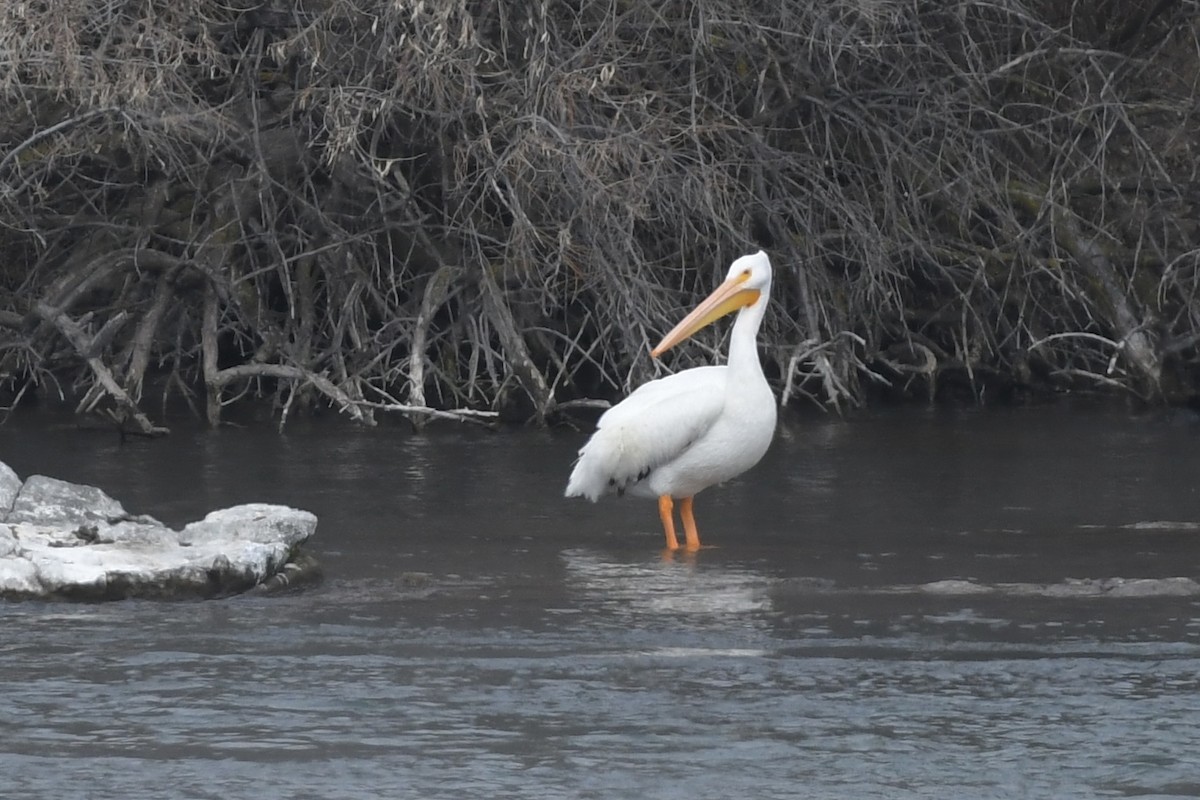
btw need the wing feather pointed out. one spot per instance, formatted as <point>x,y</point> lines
<point>649,428</point>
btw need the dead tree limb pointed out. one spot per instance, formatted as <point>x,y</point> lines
<point>85,346</point>
<point>208,357</point>
<point>437,288</point>
<point>341,400</point>
<point>56,128</point>
<point>499,314</point>
<point>143,338</point>
<point>1140,348</point>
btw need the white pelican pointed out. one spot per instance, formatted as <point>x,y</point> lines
<point>677,435</point>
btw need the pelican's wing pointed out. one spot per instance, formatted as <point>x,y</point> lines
<point>649,428</point>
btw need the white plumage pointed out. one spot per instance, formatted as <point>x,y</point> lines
<point>677,435</point>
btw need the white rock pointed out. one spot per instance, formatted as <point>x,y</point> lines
<point>255,522</point>
<point>10,484</point>
<point>50,501</point>
<point>65,540</point>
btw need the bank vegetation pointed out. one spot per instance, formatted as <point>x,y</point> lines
<point>472,208</point>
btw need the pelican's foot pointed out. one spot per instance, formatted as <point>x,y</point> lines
<point>677,556</point>
<point>682,554</point>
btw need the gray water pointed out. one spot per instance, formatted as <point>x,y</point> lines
<point>907,604</point>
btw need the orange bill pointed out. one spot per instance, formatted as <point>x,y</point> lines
<point>725,299</point>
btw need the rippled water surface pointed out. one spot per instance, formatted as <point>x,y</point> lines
<point>909,604</point>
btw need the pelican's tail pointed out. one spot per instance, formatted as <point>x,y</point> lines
<point>610,462</point>
<point>588,478</point>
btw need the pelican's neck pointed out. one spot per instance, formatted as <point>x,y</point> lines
<point>743,344</point>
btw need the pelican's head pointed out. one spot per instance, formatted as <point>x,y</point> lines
<point>747,285</point>
<point>754,272</point>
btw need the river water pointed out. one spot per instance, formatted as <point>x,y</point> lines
<point>906,604</point>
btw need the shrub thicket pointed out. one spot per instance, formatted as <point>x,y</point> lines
<point>460,206</point>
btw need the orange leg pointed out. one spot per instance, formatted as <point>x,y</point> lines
<point>665,508</point>
<point>691,536</point>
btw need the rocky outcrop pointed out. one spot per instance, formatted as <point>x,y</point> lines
<point>61,540</point>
